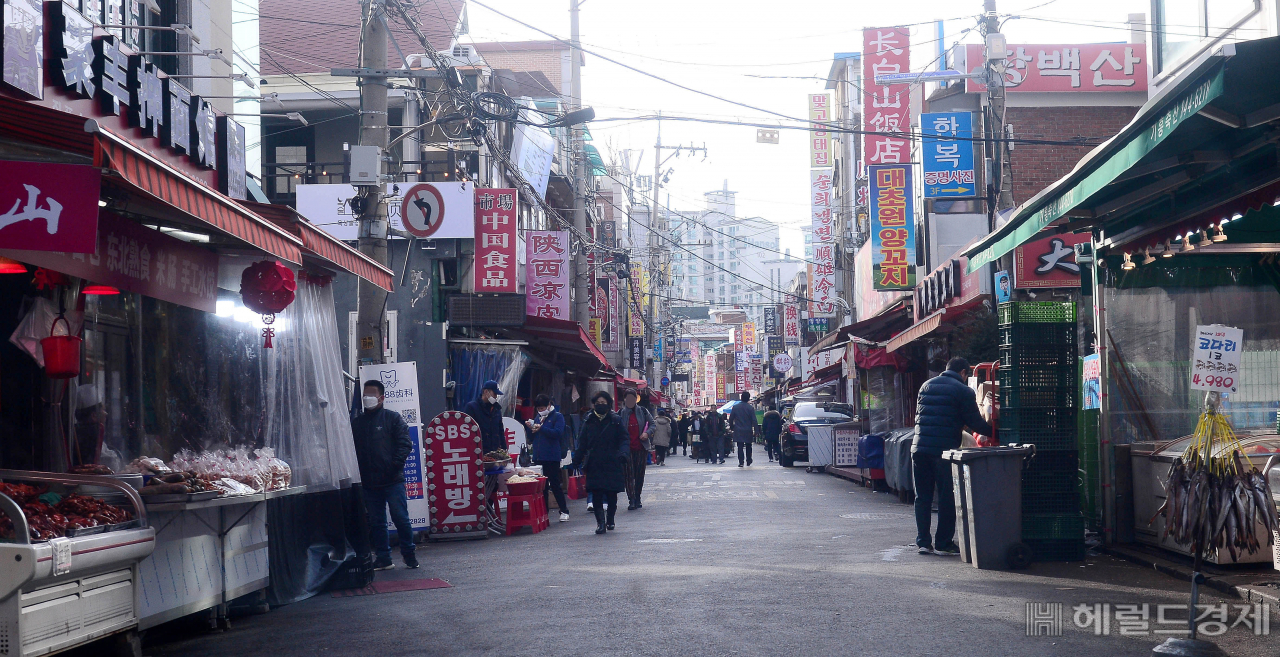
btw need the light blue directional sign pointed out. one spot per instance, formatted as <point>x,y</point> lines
<point>948,155</point>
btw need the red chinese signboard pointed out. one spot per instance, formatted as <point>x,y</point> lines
<point>495,268</point>
<point>455,474</point>
<point>885,51</point>
<point>547,274</point>
<point>135,258</point>
<point>1048,262</point>
<point>48,207</point>
<point>791,324</point>
<point>1057,67</point>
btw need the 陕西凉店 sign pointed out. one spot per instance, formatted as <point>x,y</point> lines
<point>547,274</point>
<point>98,76</point>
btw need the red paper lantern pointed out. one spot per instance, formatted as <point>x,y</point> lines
<point>267,287</point>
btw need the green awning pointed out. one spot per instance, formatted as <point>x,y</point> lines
<point>1178,155</point>
<point>593,158</point>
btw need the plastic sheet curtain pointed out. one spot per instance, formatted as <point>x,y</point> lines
<point>474,364</point>
<point>1152,313</point>
<point>884,398</point>
<point>307,420</point>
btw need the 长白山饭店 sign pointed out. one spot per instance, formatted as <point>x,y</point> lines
<point>893,243</point>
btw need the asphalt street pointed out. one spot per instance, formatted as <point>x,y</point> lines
<point>720,561</point>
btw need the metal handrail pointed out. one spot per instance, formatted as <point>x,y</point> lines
<point>140,509</point>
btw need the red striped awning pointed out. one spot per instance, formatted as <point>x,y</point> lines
<point>179,190</point>
<point>564,334</point>
<point>325,246</point>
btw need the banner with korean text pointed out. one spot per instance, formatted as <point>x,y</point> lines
<point>893,243</point>
<point>822,289</point>
<point>885,109</point>
<point>495,268</point>
<point>819,138</point>
<point>1064,67</point>
<point>947,145</point>
<point>547,274</point>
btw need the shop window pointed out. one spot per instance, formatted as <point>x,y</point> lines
<point>1183,26</point>
<point>285,180</point>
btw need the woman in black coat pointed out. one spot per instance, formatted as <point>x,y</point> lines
<point>603,448</point>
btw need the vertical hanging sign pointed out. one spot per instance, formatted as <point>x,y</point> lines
<point>885,109</point>
<point>614,343</point>
<point>819,137</point>
<point>547,274</point>
<point>822,287</point>
<point>791,324</point>
<point>771,320</point>
<point>635,353</point>
<point>893,243</point>
<point>495,268</point>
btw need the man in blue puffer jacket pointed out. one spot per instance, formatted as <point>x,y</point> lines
<point>547,436</point>
<point>946,405</point>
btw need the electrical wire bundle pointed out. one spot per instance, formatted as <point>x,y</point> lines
<point>1212,500</point>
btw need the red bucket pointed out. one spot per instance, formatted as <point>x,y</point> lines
<point>61,353</point>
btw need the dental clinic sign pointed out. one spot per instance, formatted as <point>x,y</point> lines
<point>44,207</point>
<point>53,56</point>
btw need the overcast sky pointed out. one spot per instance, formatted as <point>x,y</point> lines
<point>724,47</point>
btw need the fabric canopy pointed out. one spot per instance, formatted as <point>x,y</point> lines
<point>1201,142</point>
<point>566,336</point>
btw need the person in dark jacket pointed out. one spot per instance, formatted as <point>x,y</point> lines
<point>602,454</point>
<point>638,421</point>
<point>682,433</point>
<point>772,429</point>
<point>945,406</point>
<point>743,424</point>
<point>488,414</point>
<point>717,431</point>
<point>382,444</point>
<point>547,430</point>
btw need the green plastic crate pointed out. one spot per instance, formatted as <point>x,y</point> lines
<point>1036,311</point>
<point>1057,550</point>
<point>1052,526</point>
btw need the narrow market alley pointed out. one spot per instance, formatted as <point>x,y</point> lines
<point>719,561</point>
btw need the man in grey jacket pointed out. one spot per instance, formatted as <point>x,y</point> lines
<point>638,422</point>
<point>743,424</point>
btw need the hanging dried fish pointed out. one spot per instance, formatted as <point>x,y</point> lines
<point>1212,499</point>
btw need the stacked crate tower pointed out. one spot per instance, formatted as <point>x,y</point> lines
<point>1039,397</point>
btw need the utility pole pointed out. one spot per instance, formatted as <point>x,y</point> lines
<point>581,274</point>
<point>655,257</point>
<point>1002,168</point>
<point>371,300</point>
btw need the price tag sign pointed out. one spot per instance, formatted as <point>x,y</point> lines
<point>1215,365</point>
<point>61,555</point>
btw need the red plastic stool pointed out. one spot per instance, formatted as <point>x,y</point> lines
<point>528,509</point>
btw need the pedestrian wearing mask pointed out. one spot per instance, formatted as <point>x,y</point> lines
<point>638,422</point>
<point>488,414</point>
<point>602,455</point>
<point>546,433</point>
<point>382,444</point>
<point>772,429</point>
<point>743,424</point>
<point>662,426</point>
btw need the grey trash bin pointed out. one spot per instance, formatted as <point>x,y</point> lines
<point>988,492</point>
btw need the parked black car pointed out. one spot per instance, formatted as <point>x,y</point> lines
<point>795,436</point>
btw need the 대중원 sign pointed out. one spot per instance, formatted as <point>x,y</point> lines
<point>455,476</point>
<point>547,274</point>
<point>1215,364</point>
<point>893,226</point>
<point>948,155</point>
